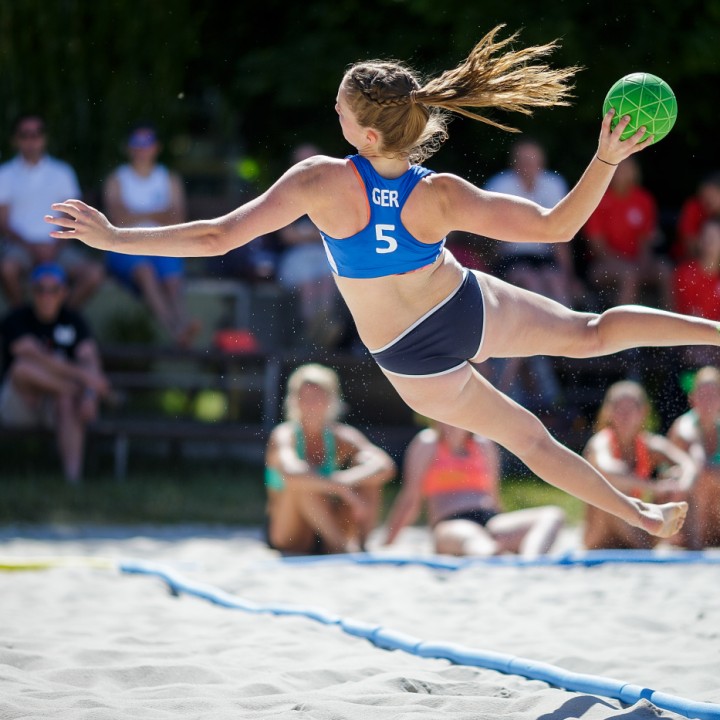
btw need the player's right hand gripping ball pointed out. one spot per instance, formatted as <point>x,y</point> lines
<point>647,99</point>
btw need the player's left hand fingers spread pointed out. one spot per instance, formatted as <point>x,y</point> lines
<point>61,220</point>
<point>649,140</point>
<point>609,115</point>
<point>69,206</point>
<point>624,120</point>
<point>619,129</point>
<point>642,145</point>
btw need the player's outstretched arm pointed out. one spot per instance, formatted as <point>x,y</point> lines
<point>87,224</point>
<point>288,199</point>
<point>514,219</point>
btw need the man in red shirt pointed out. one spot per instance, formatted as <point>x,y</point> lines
<point>697,286</point>
<point>694,212</point>
<point>697,282</point>
<point>621,234</point>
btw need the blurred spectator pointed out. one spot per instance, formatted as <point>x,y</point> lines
<point>324,478</point>
<point>705,204</point>
<point>51,374</point>
<point>29,184</point>
<point>304,269</point>
<point>697,432</point>
<point>254,262</point>
<point>697,288</point>
<point>621,234</point>
<point>639,463</point>
<point>457,475</point>
<point>468,251</point>
<point>544,268</point>
<point>144,193</point>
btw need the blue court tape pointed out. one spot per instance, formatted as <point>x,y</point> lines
<point>588,558</point>
<point>388,639</point>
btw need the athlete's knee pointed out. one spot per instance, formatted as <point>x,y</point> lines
<point>529,439</point>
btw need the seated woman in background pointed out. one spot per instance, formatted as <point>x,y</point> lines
<point>457,474</point>
<point>698,433</point>
<point>324,478</point>
<point>639,463</point>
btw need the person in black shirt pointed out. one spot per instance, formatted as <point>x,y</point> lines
<point>51,371</point>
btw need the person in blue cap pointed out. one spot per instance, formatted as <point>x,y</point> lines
<point>51,373</point>
<point>145,193</point>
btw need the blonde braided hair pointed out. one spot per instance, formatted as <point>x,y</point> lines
<point>412,117</point>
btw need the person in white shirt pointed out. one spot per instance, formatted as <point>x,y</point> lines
<point>144,193</point>
<point>544,268</point>
<point>541,267</point>
<point>27,182</point>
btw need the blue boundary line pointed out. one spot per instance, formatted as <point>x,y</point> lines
<point>389,639</point>
<point>588,558</point>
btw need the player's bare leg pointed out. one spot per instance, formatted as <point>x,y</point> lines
<point>465,399</point>
<point>519,323</point>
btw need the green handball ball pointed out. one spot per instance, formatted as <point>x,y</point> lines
<point>647,99</point>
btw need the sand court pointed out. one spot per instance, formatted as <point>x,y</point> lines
<point>86,642</point>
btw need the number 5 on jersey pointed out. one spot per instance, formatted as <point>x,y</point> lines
<point>381,237</point>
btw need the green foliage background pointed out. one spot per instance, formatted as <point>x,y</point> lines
<point>221,87</point>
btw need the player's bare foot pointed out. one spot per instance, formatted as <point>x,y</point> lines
<point>662,520</point>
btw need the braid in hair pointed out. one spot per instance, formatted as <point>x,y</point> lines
<point>383,95</point>
<point>383,85</point>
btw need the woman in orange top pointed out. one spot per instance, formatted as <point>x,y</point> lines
<point>457,474</point>
<point>640,464</point>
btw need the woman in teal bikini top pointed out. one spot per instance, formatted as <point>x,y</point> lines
<point>324,478</point>
<point>273,478</point>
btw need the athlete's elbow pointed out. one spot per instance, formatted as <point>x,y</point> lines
<point>216,239</point>
<point>557,230</point>
<point>557,234</point>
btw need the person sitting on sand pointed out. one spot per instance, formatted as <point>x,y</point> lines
<point>324,478</point>
<point>698,433</point>
<point>639,463</point>
<point>457,474</point>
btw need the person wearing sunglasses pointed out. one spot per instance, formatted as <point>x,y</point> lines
<point>51,372</point>
<point>27,182</point>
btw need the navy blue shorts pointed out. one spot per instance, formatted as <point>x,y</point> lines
<point>443,339</point>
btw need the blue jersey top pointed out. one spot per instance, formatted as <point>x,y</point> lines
<point>383,247</point>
